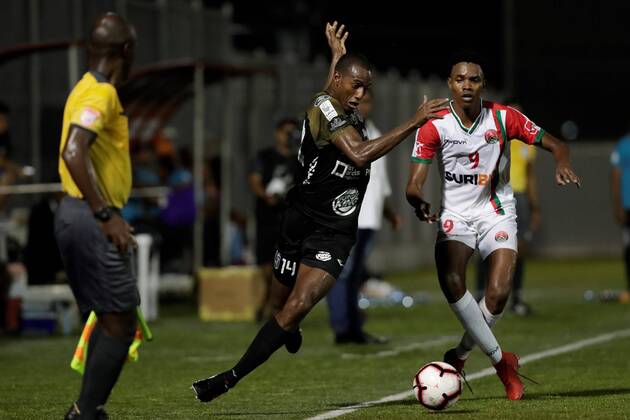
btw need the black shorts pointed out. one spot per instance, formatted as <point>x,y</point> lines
<point>102,279</point>
<point>303,241</point>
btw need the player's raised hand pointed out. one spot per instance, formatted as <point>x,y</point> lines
<point>565,174</point>
<point>336,36</point>
<point>429,110</point>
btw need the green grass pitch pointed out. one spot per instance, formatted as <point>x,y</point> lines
<point>592,382</point>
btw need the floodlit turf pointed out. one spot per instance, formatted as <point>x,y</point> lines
<point>594,382</point>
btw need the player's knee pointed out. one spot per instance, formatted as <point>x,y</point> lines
<point>496,299</point>
<point>454,281</point>
<point>296,308</point>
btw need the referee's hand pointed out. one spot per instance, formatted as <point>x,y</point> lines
<point>119,232</point>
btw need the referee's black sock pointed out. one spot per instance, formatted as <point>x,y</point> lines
<point>269,339</point>
<point>105,361</point>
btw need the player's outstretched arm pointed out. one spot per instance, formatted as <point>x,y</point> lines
<point>418,173</point>
<point>336,37</point>
<point>363,152</point>
<point>561,153</point>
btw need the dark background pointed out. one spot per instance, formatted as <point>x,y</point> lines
<point>571,58</point>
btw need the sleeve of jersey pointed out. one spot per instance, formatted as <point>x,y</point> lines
<point>94,109</point>
<point>426,144</point>
<point>520,127</point>
<point>332,118</point>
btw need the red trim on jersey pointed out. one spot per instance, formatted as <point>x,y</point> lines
<point>427,142</point>
<point>517,125</point>
<point>494,198</point>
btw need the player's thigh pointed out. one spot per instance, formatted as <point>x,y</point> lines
<point>454,228</point>
<point>455,244</point>
<point>501,264</point>
<point>294,230</point>
<point>451,260</point>
<point>497,232</point>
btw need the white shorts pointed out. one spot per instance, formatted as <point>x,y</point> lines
<point>486,233</point>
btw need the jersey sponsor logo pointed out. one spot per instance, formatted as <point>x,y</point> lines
<point>323,256</point>
<point>328,109</point>
<point>311,171</point>
<point>501,236</point>
<point>346,203</point>
<point>453,141</point>
<point>473,179</point>
<point>347,171</point>
<point>322,98</point>
<point>336,123</point>
<point>418,151</point>
<point>89,116</point>
<point>491,136</point>
<point>531,128</point>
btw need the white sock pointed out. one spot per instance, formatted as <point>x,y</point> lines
<point>475,318</point>
<point>467,343</point>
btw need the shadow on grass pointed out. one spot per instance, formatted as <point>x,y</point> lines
<point>567,394</point>
<point>580,393</point>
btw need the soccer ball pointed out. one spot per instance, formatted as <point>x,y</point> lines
<point>437,385</point>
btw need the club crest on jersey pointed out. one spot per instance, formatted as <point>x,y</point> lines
<point>491,136</point>
<point>346,203</point>
<point>501,236</point>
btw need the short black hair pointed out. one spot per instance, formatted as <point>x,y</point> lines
<point>350,60</point>
<point>465,56</point>
<point>285,121</point>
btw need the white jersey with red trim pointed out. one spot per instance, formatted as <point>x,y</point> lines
<point>474,163</point>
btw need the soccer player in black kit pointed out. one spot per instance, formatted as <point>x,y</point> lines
<point>320,223</point>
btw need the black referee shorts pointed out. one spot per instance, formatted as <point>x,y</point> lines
<point>303,241</point>
<point>102,279</point>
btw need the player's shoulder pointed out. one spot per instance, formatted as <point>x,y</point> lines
<point>327,105</point>
<point>494,106</point>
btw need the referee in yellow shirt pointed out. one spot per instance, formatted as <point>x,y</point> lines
<point>94,240</point>
<point>523,181</point>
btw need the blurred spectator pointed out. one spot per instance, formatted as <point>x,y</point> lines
<point>143,212</point>
<point>178,217</point>
<point>523,181</point>
<point>41,256</point>
<point>9,171</point>
<point>211,222</point>
<point>620,188</point>
<point>272,173</point>
<point>346,318</point>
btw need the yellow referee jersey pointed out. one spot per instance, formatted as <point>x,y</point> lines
<point>94,105</point>
<point>520,155</point>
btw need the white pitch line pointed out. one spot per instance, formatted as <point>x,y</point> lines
<point>484,372</point>
<point>402,349</point>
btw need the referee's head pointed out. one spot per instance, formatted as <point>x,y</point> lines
<point>112,40</point>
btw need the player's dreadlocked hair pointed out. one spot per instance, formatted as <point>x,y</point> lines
<point>465,56</point>
<point>351,59</point>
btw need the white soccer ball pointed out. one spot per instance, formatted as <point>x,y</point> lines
<point>437,385</point>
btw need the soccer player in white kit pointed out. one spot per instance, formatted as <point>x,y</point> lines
<point>477,211</point>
